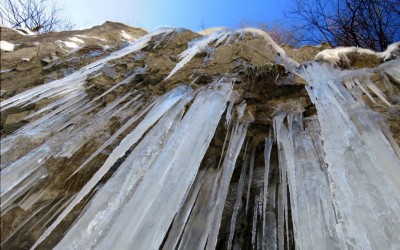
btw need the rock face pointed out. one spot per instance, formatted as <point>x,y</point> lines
<point>115,138</point>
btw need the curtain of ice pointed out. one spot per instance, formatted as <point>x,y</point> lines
<point>141,224</point>
<point>235,144</point>
<point>363,168</point>
<point>160,106</point>
<point>126,211</point>
<point>74,82</point>
<point>70,114</point>
<point>200,226</point>
<point>311,207</point>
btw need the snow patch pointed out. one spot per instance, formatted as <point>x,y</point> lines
<point>92,37</point>
<point>5,70</point>
<point>71,45</point>
<point>388,53</point>
<point>334,56</point>
<point>6,46</point>
<point>290,63</point>
<point>126,35</point>
<point>75,39</point>
<point>209,31</point>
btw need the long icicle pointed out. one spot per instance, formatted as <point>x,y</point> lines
<point>267,158</point>
<point>183,215</point>
<point>238,201</point>
<point>136,224</point>
<point>162,105</point>
<point>235,144</point>
<point>250,179</point>
<point>109,200</point>
<point>363,166</point>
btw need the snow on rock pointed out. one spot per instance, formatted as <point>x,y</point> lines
<point>335,55</point>
<point>282,58</point>
<point>76,39</point>
<point>6,46</point>
<point>209,31</point>
<point>392,51</point>
<point>93,37</point>
<point>71,45</point>
<point>126,35</point>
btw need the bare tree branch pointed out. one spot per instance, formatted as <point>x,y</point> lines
<point>366,23</point>
<point>37,15</point>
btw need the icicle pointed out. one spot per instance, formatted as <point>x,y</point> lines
<point>196,47</point>
<point>235,144</point>
<point>364,89</point>
<point>123,82</point>
<point>161,106</point>
<point>254,224</point>
<point>48,213</point>
<point>267,157</point>
<point>363,81</point>
<point>55,104</point>
<point>238,202</point>
<point>39,129</point>
<point>270,236</point>
<point>30,199</point>
<point>229,113</point>
<point>141,214</point>
<point>199,223</point>
<point>183,215</point>
<point>24,222</point>
<point>392,68</point>
<point>250,180</point>
<point>51,135</point>
<point>363,168</point>
<point>282,192</point>
<point>109,201</point>
<point>377,91</point>
<point>49,219</point>
<point>75,80</point>
<point>281,216</point>
<point>309,189</point>
<point>114,136</point>
<point>17,181</point>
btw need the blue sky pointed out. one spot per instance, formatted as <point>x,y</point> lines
<point>151,14</point>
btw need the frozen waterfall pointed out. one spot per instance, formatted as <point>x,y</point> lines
<point>205,165</point>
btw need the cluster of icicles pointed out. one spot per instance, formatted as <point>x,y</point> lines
<point>338,171</point>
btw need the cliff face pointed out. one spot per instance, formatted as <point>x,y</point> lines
<point>115,138</point>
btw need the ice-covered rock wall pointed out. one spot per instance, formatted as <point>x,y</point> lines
<point>216,141</point>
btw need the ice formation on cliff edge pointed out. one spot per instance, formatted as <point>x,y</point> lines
<point>329,180</point>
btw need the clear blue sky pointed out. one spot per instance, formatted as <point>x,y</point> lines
<point>151,14</point>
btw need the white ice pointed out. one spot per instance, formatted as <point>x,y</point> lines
<point>6,46</point>
<point>363,168</point>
